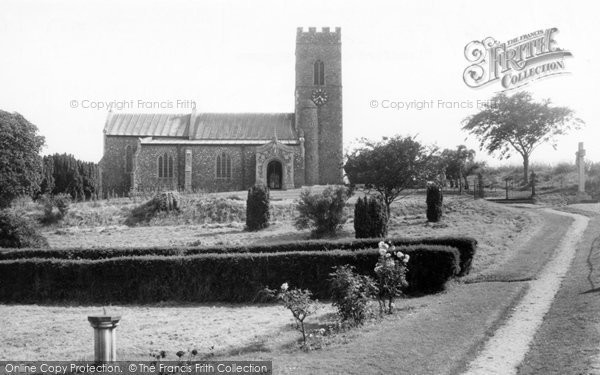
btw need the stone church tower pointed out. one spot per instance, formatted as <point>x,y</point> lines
<point>319,103</point>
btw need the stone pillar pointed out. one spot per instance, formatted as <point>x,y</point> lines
<point>105,338</point>
<point>188,171</point>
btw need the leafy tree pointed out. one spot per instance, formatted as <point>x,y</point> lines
<point>390,166</point>
<point>458,164</point>
<point>519,123</point>
<point>20,162</point>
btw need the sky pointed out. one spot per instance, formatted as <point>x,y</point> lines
<point>62,62</point>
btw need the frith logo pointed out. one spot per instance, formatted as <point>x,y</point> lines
<point>514,63</point>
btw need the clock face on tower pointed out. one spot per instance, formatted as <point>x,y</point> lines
<point>319,97</point>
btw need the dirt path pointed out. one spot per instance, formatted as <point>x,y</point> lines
<point>568,342</point>
<point>510,343</point>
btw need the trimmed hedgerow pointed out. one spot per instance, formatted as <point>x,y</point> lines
<point>206,277</point>
<point>465,245</point>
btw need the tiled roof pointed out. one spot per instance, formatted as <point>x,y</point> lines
<point>204,126</point>
<point>243,126</point>
<point>148,124</point>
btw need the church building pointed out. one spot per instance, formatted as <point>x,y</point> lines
<point>233,151</point>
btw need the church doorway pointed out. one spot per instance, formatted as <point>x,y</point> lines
<point>274,174</point>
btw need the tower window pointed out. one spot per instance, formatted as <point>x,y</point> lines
<point>224,166</point>
<point>165,166</point>
<point>319,73</point>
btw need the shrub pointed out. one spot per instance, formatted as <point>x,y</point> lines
<point>351,293</point>
<point>18,231</point>
<point>219,210</point>
<point>391,275</point>
<point>370,218</point>
<point>55,207</point>
<point>300,304</point>
<point>257,208</point>
<point>235,277</point>
<point>323,212</point>
<point>166,201</point>
<point>434,203</point>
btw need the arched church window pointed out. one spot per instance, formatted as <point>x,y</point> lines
<point>319,73</point>
<point>128,159</point>
<point>223,166</point>
<point>165,166</point>
<point>160,166</point>
<point>170,167</point>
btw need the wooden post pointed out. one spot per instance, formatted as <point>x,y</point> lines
<point>105,338</point>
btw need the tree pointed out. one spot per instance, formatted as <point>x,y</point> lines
<point>390,166</point>
<point>20,162</point>
<point>520,124</point>
<point>458,164</point>
<point>64,174</point>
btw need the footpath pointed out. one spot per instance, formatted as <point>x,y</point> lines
<point>568,341</point>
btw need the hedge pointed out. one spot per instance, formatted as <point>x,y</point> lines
<point>236,277</point>
<point>465,245</point>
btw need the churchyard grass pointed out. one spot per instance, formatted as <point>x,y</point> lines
<point>228,329</point>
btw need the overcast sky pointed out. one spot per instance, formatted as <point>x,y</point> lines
<point>238,56</point>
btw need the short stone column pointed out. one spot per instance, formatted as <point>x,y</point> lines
<point>105,337</point>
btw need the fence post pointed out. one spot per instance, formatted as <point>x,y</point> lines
<point>105,337</point>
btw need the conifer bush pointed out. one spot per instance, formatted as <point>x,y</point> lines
<point>257,208</point>
<point>434,203</point>
<point>370,218</point>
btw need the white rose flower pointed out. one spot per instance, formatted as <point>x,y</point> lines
<point>284,286</point>
<point>381,245</point>
<point>399,254</point>
<point>406,258</point>
<point>382,252</point>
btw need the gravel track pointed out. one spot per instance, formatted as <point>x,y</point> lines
<point>505,350</point>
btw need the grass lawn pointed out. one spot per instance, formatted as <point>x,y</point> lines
<point>231,330</point>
